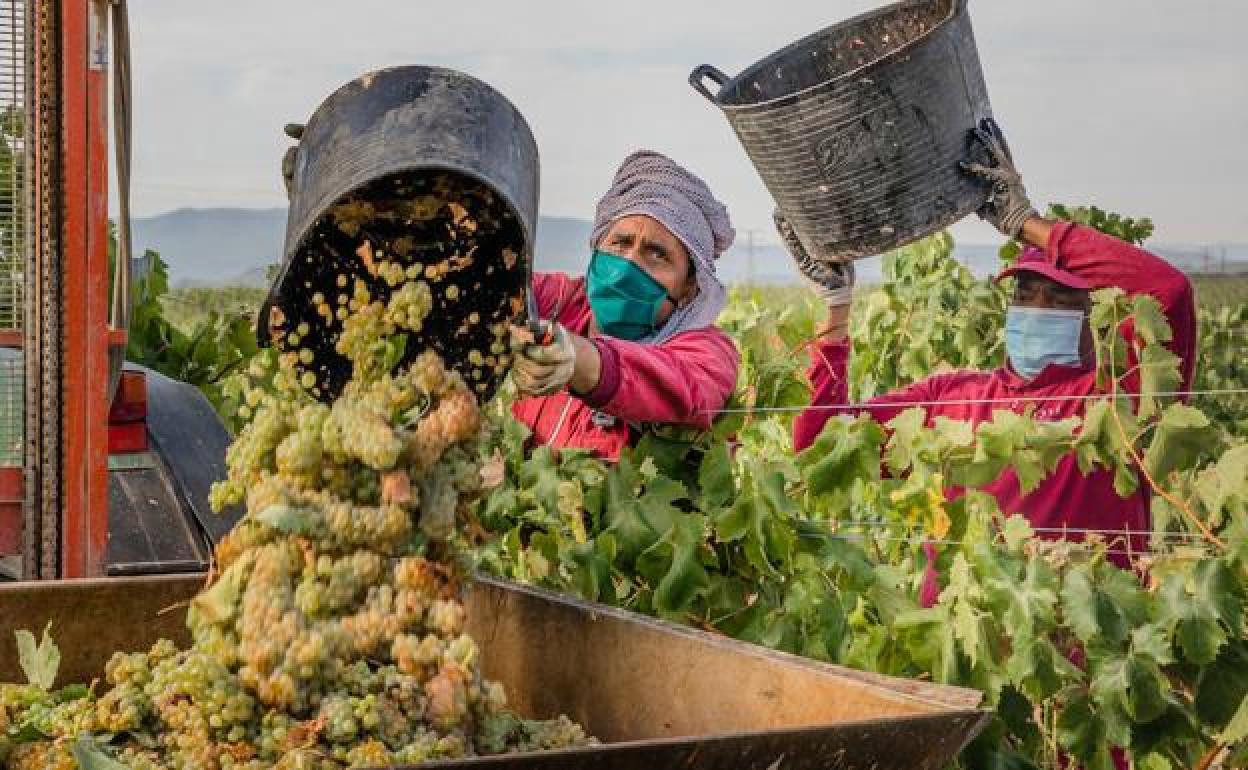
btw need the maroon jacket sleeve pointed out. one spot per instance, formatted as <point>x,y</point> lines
<point>683,381</point>
<point>829,363</point>
<point>1106,262</point>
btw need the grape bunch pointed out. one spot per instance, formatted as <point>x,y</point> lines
<point>332,634</point>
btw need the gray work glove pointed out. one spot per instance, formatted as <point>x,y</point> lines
<point>542,367</point>
<point>294,131</point>
<point>1008,208</point>
<point>832,281</point>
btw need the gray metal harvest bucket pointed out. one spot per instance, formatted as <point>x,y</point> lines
<point>857,130</point>
<point>387,134</point>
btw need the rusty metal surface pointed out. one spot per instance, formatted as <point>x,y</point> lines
<point>92,619</point>
<point>658,695</point>
<point>31,441</point>
<point>665,680</point>
<point>42,534</point>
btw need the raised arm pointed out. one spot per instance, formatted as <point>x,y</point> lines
<point>829,353</point>
<point>829,364</point>
<point>1101,260</point>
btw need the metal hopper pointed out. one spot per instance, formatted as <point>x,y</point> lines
<point>656,695</point>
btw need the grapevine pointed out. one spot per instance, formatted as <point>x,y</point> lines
<point>823,553</point>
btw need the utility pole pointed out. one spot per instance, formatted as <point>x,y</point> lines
<point>749,257</point>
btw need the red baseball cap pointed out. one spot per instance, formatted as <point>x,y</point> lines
<point>1034,260</point>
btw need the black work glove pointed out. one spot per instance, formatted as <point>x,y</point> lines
<point>832,281</point>
<point>1008,208</point>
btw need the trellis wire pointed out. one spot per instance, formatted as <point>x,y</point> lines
<point>863,407</point>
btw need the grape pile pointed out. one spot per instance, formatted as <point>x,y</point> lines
<point>333,633</point>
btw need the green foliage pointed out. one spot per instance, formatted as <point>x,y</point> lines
<point>772,330</point>
<point>821,554</point>
<point>1223,365</point>
<point>931,314</point>
<point>209,356</point>
<point>1134,231</point>
<point>188,308</point>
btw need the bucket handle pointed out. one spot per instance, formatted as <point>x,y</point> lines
<point>698,77</point>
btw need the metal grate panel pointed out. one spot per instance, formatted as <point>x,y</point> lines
<point>12,229</point>
<point>12,407</point>
<point>12,161</point>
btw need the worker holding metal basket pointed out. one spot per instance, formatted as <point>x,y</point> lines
<point>1051,367</point>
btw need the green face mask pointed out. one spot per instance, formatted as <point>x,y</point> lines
<point>626,301</point>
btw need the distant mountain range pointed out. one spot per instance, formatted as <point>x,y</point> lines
<point>234,247</point>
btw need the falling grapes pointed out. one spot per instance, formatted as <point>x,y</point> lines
<point>332,634</point>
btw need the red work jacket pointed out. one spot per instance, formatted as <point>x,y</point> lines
<point>1066,499</point>
<point>683,381</point>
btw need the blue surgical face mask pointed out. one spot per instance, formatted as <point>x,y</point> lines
<point>1036,337</point>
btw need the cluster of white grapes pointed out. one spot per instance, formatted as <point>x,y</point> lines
<point>333,633</point>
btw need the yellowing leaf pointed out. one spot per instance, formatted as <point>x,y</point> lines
<point>39,662</point>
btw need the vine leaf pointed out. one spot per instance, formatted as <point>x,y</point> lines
<point>1237,729</point>
<point>1182,436</point>
<point>1203,610</point>
<point>638,522</point>
<point>759,520</point>
<point>715,477</point>
<point>288,519</point>
<point>1091,614</point>
<point>39,662</point>
<point>90,756</point>
<point>674,565</point>
<point>219,603</point>
<point>844,451</point>
<point>1038,670</point>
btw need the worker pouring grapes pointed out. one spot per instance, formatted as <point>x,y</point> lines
<point>1051,368</point>
<point>634,342</point>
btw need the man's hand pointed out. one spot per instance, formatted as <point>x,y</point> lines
<point>1008,209</point>
<point>543,369</point>
<point>833,282</point>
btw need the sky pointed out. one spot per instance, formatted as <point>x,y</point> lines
<point>1140,106</point>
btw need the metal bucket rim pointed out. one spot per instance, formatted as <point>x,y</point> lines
<point>288,259</point>
<point>956,7</point>
<point>433,68</point>
<point>434,165</point>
